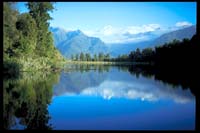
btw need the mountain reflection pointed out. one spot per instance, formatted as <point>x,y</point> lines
<point>119,82</point>
<point>26,99</point>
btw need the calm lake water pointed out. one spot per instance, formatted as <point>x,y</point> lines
<point>91,97</point>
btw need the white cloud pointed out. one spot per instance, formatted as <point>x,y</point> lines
<point>183,23</point>
<point>110,34</point>
<point>142,29</point>
<point>108,30</point>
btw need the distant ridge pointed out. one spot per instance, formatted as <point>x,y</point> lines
<point>75,42</point>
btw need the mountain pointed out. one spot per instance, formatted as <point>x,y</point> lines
<point>178,34</point>
<point>118,49</point>
<point>76,81</point>
<point>59,35</point>
<point>74,42</point>
<point>126,48</point>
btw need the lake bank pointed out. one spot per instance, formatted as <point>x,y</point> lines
<point>108,63</point>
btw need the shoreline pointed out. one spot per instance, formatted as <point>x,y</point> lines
<point>107,63</point>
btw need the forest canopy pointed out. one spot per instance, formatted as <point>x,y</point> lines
<point>27,41</point>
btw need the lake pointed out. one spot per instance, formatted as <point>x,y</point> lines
<point>97,97</point>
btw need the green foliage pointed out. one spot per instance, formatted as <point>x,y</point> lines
<point>27,98</point>
<point>11,69</point>
<point>101,57</point>
<point>82,57</point>
<point>28,34</point>
<point>39,11</point>
<point>88,57</point>
<point>95,57</point>
<point>27,40</point>
<point>10,33</point>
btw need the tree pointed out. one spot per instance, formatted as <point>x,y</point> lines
<point>10,33</point>
<point>101,56</point>
<point>76,57</point>
<point>28,34</point>
<point>107,57</point>
<point>124,57</point>
<point>82,57</point>
<point>40,12</point>
<point>186,40</point>
<point>138,54</point>
<point>27,40</point>
<point>147,54</point>
<point>132,56</point>
<point>95,57</point>
<point>88,57</point>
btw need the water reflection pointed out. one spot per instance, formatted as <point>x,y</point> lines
<point>98,97</point>
<point>118,82</point>
<point>25,101</point>
<point>120,98</point>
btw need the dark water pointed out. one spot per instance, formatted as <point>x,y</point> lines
<point>97,98</point>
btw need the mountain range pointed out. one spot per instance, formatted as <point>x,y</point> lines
<point>118,49</point>
<point>187,32</point>
<point>74,42</point>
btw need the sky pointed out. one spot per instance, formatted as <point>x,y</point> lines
<point>120,22</point>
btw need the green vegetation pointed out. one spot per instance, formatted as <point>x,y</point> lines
<point>172,52</point>
<point>27,42</point>
<point>26,98</point>
<point>87,57</point>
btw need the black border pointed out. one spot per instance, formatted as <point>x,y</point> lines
<point>197,124</point>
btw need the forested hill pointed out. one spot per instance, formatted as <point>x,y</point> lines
<point>27,42</point>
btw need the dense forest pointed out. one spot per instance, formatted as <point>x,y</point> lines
<point>173,52</point>
<point>27,42</point>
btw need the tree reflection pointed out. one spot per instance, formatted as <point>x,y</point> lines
<point>26,99</point>
<point>173,75</point>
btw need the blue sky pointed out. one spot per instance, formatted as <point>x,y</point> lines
<point>116,22</point>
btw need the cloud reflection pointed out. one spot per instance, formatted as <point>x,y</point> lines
<point>117,89</point>
<point>116,84</point>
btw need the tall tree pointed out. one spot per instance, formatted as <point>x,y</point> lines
<point>82,57</point>
<point>40,12</point>
<point>76,57</point>
<point>88,57</point>
<point>107,57</point>
<point>95,57</point>
<point>101,56</point>
<point>10,33</point>
<point>138,54</point>
<point>28,34</point>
